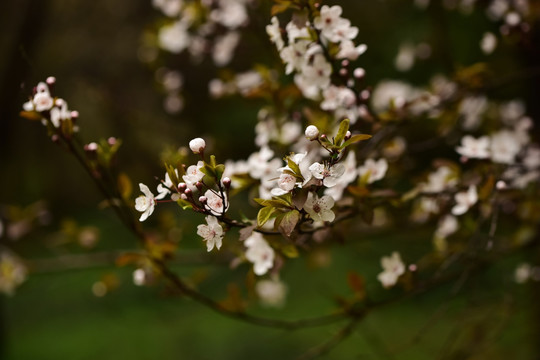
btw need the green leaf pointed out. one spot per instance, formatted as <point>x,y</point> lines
<point>343,128</point>
<point>265,214</point>
<point>31,115</point>
<point>220,169</point>
<point>288,222</point>
<point>290,251</point>
<point>356,138</point>
<point>213,161</point>
<point>208,170</point>
<point>294,167</point>
<point>184,204</point>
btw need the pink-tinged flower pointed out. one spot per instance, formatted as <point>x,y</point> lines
<point>212,233</point>
<point>320,209</point>
<point>474,148</point>
<point>259,253</point>
<point>328,174</point>
<point>193,174</point>
<point>464,200</point>
<point>393,268</point>
<point>286,183</point>
<point>347,50</point>
<point>145,203</point>
<point>373,170</point>
<point>215,203</point>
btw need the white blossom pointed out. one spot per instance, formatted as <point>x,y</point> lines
<point>328,174</point>
<point>174,37</point>
<point>474,148</point>
<point>522,273</point>
<point>271,292</point>
<point>164,188</point>
<point>274,31</point>
<point>464,200</point>
<point>212,233</point>
<point>447,226</point>
<point>405,58</point>
<point>230,13</point>
<point>471,109</point>
<point>393,268</point>
<point>373,170</point>
<point>320,209</point>
<point>224,48</point>
<point>439,180</point>
<point>293,55</point>
<point>145,203</point>
<point>259,253</point>
<point>488,43</point>
<point>505,145</point>
<point>348,50</point>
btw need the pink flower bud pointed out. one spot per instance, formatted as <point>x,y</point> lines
<point>182,187</point>
<point>188,192</point>
<point>347,135</point>
<point>74,114</point>
<point>197,145</point>
<point>199,185</point>
<point>226,182</point>
<point>50,80</point>
<point>312,132</point>
<point>359,73</point>
<point>203,200</point>
<point>111,141</point>
<point>343,72</point>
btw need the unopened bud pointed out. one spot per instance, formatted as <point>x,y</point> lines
<point>74,114</point>
<point>312,132</point>
<point>50,80</point>
<point>345,63</point>
<point>188,192</point>
<point>111,141</point>
<point>365,94</point>
<point>203,200</point>
<point>323,137</point>
<point>55,138</point>
<point>501,185</point>
<point>359,73</point>
<point>348,135</point>
<point>197,145</point>
<point>182,187</point>
<point>226,182</point>
<point>343,72</point>
<point>91,147</point>
<point>183,197</point>
<point>199,185</point>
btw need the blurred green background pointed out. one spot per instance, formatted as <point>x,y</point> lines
<point>92,49</point>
